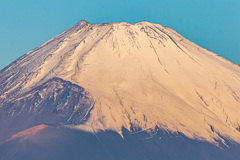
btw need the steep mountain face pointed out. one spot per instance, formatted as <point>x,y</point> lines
<point>140,77</point>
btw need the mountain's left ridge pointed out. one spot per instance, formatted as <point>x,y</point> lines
<point>54,102</point>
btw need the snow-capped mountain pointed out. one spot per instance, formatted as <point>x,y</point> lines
<point>123,77</point>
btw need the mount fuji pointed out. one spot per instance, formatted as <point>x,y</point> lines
<point>120,91</point>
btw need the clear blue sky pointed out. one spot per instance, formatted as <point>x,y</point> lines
<point>212,24</point>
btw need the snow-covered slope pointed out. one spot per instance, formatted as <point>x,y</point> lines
<point>140,76</point>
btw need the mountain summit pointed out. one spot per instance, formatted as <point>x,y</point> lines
<point>120,76</point>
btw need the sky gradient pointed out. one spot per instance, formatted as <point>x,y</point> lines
<point>26,24</point>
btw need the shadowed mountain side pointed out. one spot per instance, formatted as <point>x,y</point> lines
<point>56,101</point>
<point>63,143</point>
